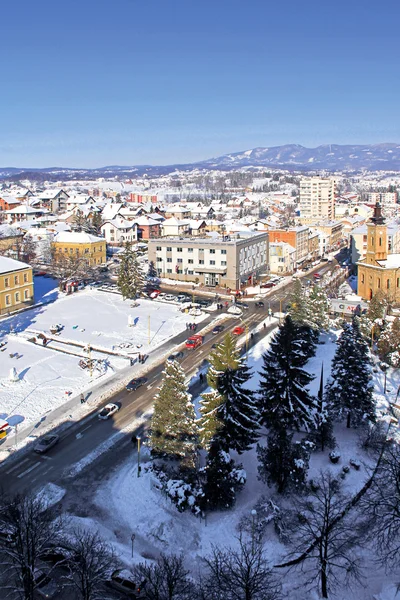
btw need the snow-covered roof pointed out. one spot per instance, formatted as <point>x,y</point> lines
<point>8,265</point>
<point>173,221</point>
<point>392,262</point>
<point>23,209</point>
<point>50,194</point>
<point>146,221</point>
<point>77,237</point>
<point>120,223</point>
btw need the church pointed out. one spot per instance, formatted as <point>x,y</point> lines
<point>380,270</point>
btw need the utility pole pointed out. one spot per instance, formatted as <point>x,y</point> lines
<point>138,456</point>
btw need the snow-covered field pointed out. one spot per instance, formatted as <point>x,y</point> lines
<point>129,504</point>
<point>47,376</point>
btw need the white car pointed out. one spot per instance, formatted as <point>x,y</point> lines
<point>108,411</point>
<point>169,297</point>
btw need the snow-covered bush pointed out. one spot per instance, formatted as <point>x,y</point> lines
<point>184,495</point>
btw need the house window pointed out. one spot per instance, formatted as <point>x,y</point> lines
<point>6,282</point>
<point>223,263</point>
<point>17,297</point>
<point>26,294</point>
<point>16,280</point>
<point>212,251</point>
<point>223,251</point>
<point>212,262</point>
<point>169,270</point>
<point>179,249</point>
<point>159,259</point>
<point>169,249</point>
<point>169,259</point>
<point>201,262</point>
<point>180,260</point>
<point>158,248</point>
<point>8,300</point>
<point>190,261</point>
<point>190,249</point>
<point>25,277</point>
<point>190,272</point>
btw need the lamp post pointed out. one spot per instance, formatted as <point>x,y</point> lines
<point>132,540</point>
<point>253,528</point>
<point>138,455</point>
<point>384,368</point>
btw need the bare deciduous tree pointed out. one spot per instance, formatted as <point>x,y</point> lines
<point>242,574</point>
<point>326,535</point>
<point>28,527</point>
<point>91,561</point>
<point>167,579</point>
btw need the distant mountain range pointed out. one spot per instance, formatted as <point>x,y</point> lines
<point>292,157</point>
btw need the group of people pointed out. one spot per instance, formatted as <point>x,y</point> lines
<point>191,326</point>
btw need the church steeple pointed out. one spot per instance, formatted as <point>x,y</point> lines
<point>377,243</point>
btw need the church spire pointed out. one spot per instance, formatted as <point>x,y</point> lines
<point>378,219</point>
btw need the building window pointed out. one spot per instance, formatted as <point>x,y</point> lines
<point>8,300</point>
<point>6,282</point>
<point>17,297</point>
<point>169,249</point>
<point>190,272</point>
<point>212,251</point>
<point>212,262</point>
<point>380,241</point>
<point>169,259</point>
<point>223,251</point>
<point>16,280</point>
<point>66,250</point>
<point>388,284</point>
<point>179,249</point>
<point>190,261</point>
<point>26,294</point>
<point>398,282</point>
<point>190,249</point>
<point>180,260</point>
<point>158,248</point>
<point>379,283</point>
<point>362,278</point>
<point>86,250</point>
<point>223,263</point>
<point>169,270</point>
<point>25,277</point>
<point>201,262</point>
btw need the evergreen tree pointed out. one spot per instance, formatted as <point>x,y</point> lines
<point>283,463</point>
<point>96,223</point>
<point>350,393</point>
<point>173,432</point>
<point>152,272</point>
<point>221,482</point>
<point>319,307</point>
<point>130,276</point>
<point>322,435</point>
<point>229,412</point>
<point>285,399</point>
<point>79,221</point>
<point>301,313</point>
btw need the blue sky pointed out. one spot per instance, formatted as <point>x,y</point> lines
<point>92,83</point>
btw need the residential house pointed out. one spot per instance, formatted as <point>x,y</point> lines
<point>148,228</point>
<point>173,226</point>
<point>177,211</point>
<point>54,199</point>
<point>22,213</point>
<point>297,237</point>
<point>282,258</point>
<point>16,285</point>
<point>118,231</point>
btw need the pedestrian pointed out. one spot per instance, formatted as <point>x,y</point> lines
<point>201,377</point>
<point>265,325</point>
<point>82,399</point>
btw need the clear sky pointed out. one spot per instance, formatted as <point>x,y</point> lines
<point>100,82</point>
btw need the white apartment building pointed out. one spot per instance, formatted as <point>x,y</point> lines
<point>317,199</point>
<point>118,231</point>
<point>386,199</point>
<point>282,258</point>
<point>229,262</point>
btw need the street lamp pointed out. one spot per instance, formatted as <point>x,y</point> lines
<point>253,527</point>
<point>132,540</point>
<point>138,456</point>
<point>384,368</point>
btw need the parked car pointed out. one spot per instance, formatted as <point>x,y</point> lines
<point>108,411</point>
<point>45,586</point>
<point>267,285</point>
<point>259,304</point>
<point>135,384</point>
<point>55,555</point>
<point>218,329</point>
<point>169,298</point>
<point>183,298</point>
<point>242,305</point>
<point>122,580</point>
<point>194,341</point>
<point>176,356</point>
<point>317,276</point>
<point>238,330</point>
<point>47,442</point>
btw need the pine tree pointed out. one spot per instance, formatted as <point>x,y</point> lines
<point>152,272</point>
<point>350,393</point>
<point>319,306</point>
<point>283,463</point>
<point>79,221</point>
<point>173,432</point>
<point>285,399</point>
<point>322,435</point>
<point>229,412</point>
<point>221,483</point>
<point>301,313</point>
<point>130,276</point>
<point>96,223</point>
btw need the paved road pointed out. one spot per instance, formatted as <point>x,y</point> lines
<point>32,470</point>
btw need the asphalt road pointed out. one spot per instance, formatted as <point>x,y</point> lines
<point>32,471</point>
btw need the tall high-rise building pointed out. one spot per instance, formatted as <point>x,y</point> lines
<point>317,199</point>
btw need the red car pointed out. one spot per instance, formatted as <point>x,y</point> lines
<point>194,341</point>
<point>267,285</point>
<point>238,330</point>
<point>317,276</point>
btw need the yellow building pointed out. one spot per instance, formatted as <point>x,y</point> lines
<point>16,285</point>
<point>80,244</point>
<point>379,271</point>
